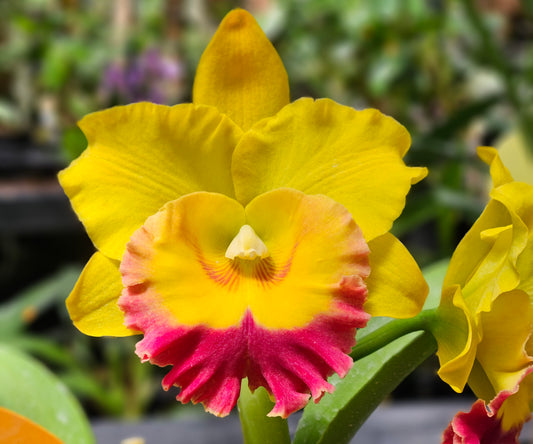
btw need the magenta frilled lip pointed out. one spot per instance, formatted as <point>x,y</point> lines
<point>226,306</point>
<point>209,364</point>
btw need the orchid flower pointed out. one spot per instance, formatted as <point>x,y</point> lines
<point>485,317</point>
<point>483,424</point>
<point>243,235</point>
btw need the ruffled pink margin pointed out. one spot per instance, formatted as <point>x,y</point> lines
<point>209,364</point>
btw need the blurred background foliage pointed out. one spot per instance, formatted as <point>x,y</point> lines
<point>457,74</point>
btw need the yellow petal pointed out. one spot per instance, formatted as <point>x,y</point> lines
<point>471,250</point>
<point>518,200</point>
<point>457,337</point>
<point>496,272</point>
<point>524,266</point>
<point>140,157</point>
<point>480,383</point>
<point>241,73</point>
<point>506,328</point>
<point>483,263</point>
<point>321,147</point>
<point>396,286</point>
<point>501,352</point>
<point>499,173</point>
<point>515,410</point>
<point>92,305</point>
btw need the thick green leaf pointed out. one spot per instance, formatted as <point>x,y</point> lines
<point>30,389</point>
<point>337,417</point>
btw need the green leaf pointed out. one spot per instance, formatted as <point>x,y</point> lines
<point>30,389</point>
<point>337,417</point>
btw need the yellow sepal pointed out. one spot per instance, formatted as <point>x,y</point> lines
<point>241,73</point>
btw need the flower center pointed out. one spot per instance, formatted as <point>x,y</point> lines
<point>247,245</point>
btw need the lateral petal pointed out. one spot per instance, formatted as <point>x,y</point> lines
<point>141,156</point>
<point>518,200</point>
<point>484,262</point>
<point>321,147</point>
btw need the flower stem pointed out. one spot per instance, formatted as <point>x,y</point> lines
<point>389,332</point>
<point>257,427</point>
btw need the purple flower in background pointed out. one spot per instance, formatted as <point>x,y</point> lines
<point>149,76</point>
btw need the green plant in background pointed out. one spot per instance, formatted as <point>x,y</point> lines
<point>57,57</point>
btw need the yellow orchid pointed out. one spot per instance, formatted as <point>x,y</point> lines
<point>485,316</point>
<point>234,232</point>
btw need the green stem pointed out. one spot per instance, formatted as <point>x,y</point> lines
<point>257,427</point>
<point>389,332</point>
